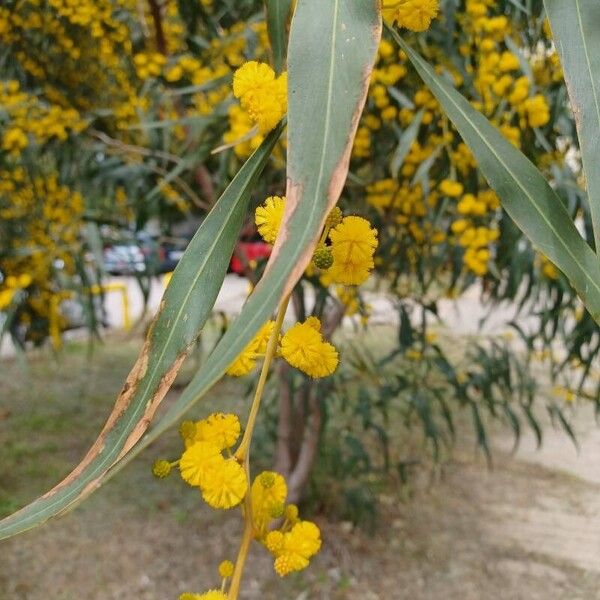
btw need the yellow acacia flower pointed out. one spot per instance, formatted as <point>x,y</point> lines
<point>219,429</point>
<point>252,76</point>
<point>294,549</point>
<point>451,188</point>
<point>268,217</point>
<point>262,95</point>
<point>538,111</point>
<point>224,483</point>
<point>246,361</point>
<point>415,15</point>
<point>268,494</point>
<point>196,460</point>
<point>304,348</point>
<point>353,243</point>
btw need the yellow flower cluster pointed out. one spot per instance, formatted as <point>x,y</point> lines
<point>88,52</point>
<point>302,346</point>
<point>223,484</point>
<point>296,541</point>
<point>11,286</point>
<point>353,244</point>
<point>40,221</point>
<point>27,116</point>
<point>149,64</point>
<point>221,480</point>
<point>348,260</point>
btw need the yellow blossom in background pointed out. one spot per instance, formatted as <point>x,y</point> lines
<point>268,218</point>
<point>451,188</point>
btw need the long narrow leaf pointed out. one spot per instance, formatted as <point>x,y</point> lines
<point>186,305</point>
<point>525,194</point>
<point>278,14</point>
<point>576,30</point>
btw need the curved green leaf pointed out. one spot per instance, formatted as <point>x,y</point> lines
<point>278,15</point>
<point>525,194</point>
<point>187,303</point>
<point>576,32</point>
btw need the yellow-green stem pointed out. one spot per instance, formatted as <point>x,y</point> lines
<point>242,451</point>
<point>236,578</point>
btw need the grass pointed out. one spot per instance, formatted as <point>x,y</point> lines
<point>141,539</point>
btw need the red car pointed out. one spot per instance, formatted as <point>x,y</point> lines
<point>252,251</point>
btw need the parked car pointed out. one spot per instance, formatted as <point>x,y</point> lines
<point>124,259</point>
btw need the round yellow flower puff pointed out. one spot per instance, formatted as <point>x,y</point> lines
<point>268,218</point>
<point>224,484</point>
<point>196,460</point>
<point>304,348</point>
<point>219,429</point>
<point>251,76</point>
<point>210,595</point>
<point>415,15</point>
<point>353,243</point>
<point>261,95</point>
<point>451,188</point>
<point>268,492</point>
<point>293,550</point>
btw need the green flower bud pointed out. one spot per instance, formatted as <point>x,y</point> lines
<point>322,258</point>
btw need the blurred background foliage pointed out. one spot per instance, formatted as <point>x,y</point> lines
<point>117,123</point>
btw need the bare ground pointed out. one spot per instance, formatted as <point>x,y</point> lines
<point>528,529</point>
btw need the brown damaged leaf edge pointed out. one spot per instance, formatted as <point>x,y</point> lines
<point>123,401</point>
<point>134,437</point>
<point>336,185</point>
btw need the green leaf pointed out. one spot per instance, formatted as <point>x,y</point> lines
<point>525,194</point>
<point>278,15</point>
<point>576,27</point>
<point>187,303</point>
<point>405,141</point>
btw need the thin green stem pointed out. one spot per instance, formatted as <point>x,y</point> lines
<point>244,447</point>
<point>243,452</point>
